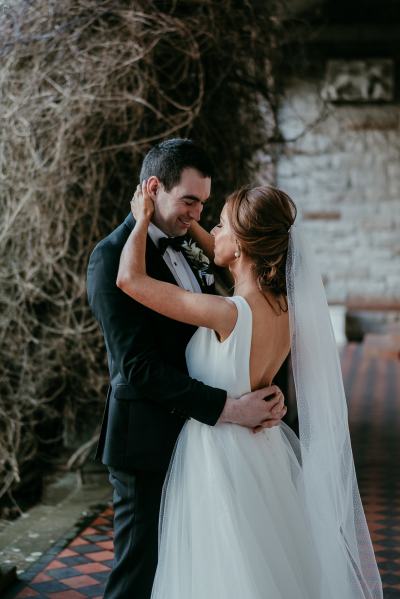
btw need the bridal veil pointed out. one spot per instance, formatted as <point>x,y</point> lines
<point>337,521</point>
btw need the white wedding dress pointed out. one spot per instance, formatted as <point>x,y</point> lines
<point>233,523</point>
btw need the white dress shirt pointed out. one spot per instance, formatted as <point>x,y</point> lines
<point>176,262</point>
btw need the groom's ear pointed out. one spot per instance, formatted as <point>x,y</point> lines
<point>153,185</point>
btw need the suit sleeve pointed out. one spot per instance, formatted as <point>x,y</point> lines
<point>123,322</point>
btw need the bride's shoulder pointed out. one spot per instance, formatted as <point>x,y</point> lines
<point>266,308</point>
<point>243,306</point>
<point>239,302</point>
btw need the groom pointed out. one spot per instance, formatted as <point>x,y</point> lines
<point>150,394</point>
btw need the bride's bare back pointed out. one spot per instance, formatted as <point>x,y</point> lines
<point>270,343</point>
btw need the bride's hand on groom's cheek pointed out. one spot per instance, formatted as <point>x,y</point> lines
<point>142,206</point>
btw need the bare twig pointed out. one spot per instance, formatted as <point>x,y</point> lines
<point>86,87</point>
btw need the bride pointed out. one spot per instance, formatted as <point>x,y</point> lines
<point>266,515</point>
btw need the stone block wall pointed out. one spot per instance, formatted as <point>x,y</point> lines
<point>342,167</point>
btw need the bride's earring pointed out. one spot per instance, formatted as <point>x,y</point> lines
<point>237,253</point>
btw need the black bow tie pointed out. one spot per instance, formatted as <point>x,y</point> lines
<point>174,242</point>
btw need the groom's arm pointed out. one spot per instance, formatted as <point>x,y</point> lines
<point>124,323</point>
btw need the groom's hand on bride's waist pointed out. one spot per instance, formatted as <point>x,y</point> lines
<point>257,410</point>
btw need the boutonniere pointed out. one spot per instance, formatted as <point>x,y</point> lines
<point>198,261</point>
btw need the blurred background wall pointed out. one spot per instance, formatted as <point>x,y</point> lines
<point>344,168</point>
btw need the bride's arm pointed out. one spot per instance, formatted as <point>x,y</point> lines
<point>199,309</point>
<point>203,239</point>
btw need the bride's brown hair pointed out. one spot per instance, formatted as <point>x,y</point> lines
<point>260,218</point>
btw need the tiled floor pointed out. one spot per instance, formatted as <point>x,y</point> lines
<point>373,392</point>
<point>76,571</point>
<point>79,569</point>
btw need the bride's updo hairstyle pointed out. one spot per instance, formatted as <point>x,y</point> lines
<point>260,218</point>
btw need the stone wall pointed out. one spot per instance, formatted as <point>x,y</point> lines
<point>343,170</point>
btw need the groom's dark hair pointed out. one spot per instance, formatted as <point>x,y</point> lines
<point>168,159</point>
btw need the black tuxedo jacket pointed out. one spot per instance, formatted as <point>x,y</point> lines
<point>150,394</point>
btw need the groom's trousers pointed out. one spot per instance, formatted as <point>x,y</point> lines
<point>136,499</point>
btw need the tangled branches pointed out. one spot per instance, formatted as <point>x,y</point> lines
<point>86,87</point>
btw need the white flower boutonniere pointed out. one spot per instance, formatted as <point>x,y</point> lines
<point>198,261</point>
<point>197,257</point>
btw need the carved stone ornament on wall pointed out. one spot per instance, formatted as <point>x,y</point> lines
<point>361,81</point>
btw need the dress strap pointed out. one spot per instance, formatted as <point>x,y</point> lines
<point>243,327</point>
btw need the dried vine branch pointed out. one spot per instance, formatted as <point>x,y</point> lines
<point>86,87</point>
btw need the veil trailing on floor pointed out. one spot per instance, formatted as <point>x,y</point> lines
<point>333,503</point>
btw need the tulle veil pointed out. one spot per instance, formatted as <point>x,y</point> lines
<point>337,521</point>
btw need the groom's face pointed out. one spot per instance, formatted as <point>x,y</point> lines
<point>175,210</point>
